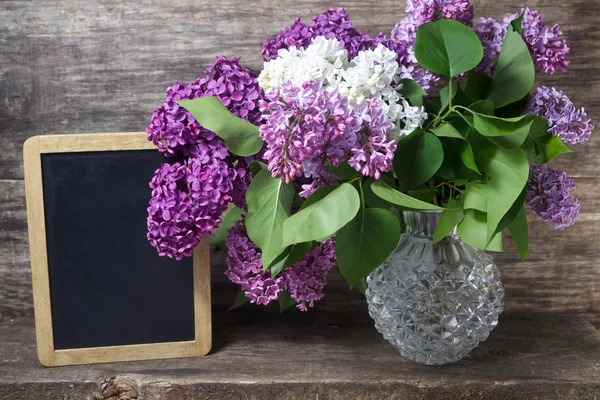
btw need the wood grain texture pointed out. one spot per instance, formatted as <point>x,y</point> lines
<point>324,355</point>
<point>74,66</point>
<point>68,66</point>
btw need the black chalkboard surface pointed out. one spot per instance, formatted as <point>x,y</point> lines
<point>104,285</point>
<point>108,287</point>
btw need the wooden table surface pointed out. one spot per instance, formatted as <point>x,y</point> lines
<point>331,353</point>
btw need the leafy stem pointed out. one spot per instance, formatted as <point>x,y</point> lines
<point>451,186</point>
<point>450,94</point>
<point>362,194</point>
<point>442,118</point>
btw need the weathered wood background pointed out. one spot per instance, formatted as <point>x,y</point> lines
<point>74,66</point>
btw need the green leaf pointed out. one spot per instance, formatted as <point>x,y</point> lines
<point>285,301</point>
<point>477,86</point>
<point>319,194</point>
<point>473,231</point>
<point>460,98</point>
<point>517,24</point>
<point>446,96</point>
<point>343,171</point>
<point>241,137</point>
<point>240,300</point>
<point>371,199</point>
<point>269,204</point>
<point>361,286</point>
<point>453,168</point>
<point>278,264</point>
<point>475,196</point>
<point>322,218</point>
<point>520,233</point>
<point>478,142</point>
<point>513,109</point>
<point>447,47</point>
<point>400,199</point>
<point>298,253</point>
<point>541,146</point>
<point>365,243</point>
<point>298,201</point>
<point>425,194</point>
<point>256,166</point>
<point>228,219</point>
<point>485,107</point>
<point>457,144</point>
<point>507,173</point>
<point>432,105</point>
<point>417,158</point>
<point>511,214</point>
<point>508,133</point>
<point>514,74</point>
<point>450,218</point>
<point>411,90</point>
<point>491,126</point>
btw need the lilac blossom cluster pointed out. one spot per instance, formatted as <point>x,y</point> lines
<point>189,197</point>
<point>173,129</point>
<point>308,127</point>
<point>492,34</point>
<point>567,122</point>
<point>305,128</point>
<point>304,280</point>
<point>420,12</point>
<point>547,48</point>
<point>333,23</point>
<point>374,151</point>
<point>549,196</point>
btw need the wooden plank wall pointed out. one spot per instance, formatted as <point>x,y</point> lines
<point>74,66</point>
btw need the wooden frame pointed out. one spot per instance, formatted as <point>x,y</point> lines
<point>48,356</point>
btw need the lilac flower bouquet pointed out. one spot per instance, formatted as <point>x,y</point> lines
<point>307,165</point>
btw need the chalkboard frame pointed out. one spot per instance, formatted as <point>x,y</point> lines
<point>32,154</point>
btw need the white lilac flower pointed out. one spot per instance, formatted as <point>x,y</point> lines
<point>320,61</point>
<point>372,74</point>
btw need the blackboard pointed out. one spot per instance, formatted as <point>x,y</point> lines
<point>103,287</point>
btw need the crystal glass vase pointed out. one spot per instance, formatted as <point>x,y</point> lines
<point>434,302</point>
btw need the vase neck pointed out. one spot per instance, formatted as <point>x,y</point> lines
<point>421,222</point>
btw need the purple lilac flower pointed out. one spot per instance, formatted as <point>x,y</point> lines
<point>332,23</point>
<point>304,280</point>
<point>492,34</point>
<point>306,128</point>
<point>374,151</point>
<point>420,12</point>
<point>313,184</point>
<point>549,196</point>
<point>188,199</point>
<point>547,48</point>
<point>297,35</point>
<point>174,130</point>
<point>172,228</point>
<point>335,23</point>
<point>570,124</point>
<point>244,268</point>
<point>414,72</point>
